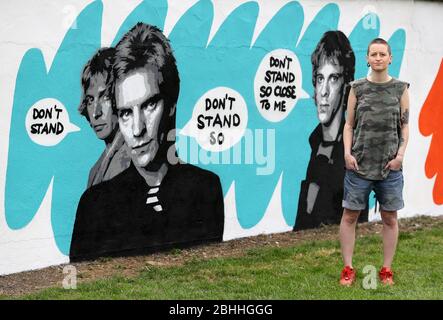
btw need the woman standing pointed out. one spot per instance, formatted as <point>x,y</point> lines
<point>375,138</point>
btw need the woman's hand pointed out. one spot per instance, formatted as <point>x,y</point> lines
<point>395,164</point>
<point>351,162</point>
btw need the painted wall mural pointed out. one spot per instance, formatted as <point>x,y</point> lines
<point>150,199</point>
<point>321,193</point>
<point>157,124</point>
<point>430,124</point>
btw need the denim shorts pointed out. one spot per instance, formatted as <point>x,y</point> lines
<point>388,192</point>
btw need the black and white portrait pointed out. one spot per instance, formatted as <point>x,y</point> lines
<point>98,107</point>
<point>158,201</point>
<point>321,193</point>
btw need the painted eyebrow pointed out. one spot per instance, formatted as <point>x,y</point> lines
<point>88,96</point>
<point>337,74</point>
<point>154,99</point>
<point>123,108</point>
<point>103,92</point>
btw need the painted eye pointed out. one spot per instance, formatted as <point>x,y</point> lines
<point>334,78</point>
<point>124,114</point>
<point>89,100</point>
<point>151,105</point>
<point>320,79</point>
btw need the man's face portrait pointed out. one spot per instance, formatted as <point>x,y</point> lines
<point>328,88</point>
<point>99,107</point>
<point>140,108</point>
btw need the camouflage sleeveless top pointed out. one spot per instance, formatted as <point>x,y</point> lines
<point>377,127</point>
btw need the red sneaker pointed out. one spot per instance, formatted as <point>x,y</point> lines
<point>347,277</point>
<point>386,276</point>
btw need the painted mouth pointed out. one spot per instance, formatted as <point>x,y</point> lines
<point>141,145</point>
<point>324,107</point>
<point>99,126</point>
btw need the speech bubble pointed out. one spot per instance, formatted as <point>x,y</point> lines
<point>47,122</point>
<point>219,119</point>
<point>277,85</point>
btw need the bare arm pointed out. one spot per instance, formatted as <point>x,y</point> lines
<point>404,104</point>
<point>395,164</point>
<point>348,131</point>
